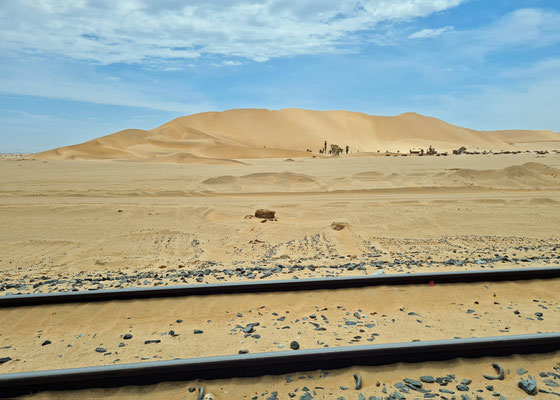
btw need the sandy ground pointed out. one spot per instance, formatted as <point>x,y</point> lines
<point>76,225</point>
<point>340,384</point>
<point>93,334</point>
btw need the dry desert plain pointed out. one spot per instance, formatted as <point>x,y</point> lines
<point>83,223</point>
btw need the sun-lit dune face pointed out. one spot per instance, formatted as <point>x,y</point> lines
<point>215,137</point>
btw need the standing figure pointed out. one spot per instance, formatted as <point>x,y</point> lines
<point>347,148</point>
<point>325,148</point>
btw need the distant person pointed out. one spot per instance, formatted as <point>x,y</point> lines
<point>347,148</point>
<point>325,148</point>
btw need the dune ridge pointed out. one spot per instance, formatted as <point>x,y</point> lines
<point>219,137</point>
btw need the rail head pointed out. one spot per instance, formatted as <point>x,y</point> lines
<point>280,286</point>
<point>245,365</point>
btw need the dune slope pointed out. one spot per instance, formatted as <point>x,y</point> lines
<point>216,137</point>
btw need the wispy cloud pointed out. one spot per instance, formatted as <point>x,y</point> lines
<point>430,33</point>
<point>59,81</point>
<point>132,31</point>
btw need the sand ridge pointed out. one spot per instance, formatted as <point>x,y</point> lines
<point>214,137</point>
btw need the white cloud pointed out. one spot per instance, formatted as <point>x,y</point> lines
<point>430,33</point>
<point>150,31</point>
<point>231,63</point>
<point>57,81</point>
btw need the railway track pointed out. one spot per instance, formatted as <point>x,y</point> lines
<point>249,365</point>
<point>280,286</point>
<point>258,364</point>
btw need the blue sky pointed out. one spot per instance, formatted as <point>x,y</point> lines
<point>75,70</point>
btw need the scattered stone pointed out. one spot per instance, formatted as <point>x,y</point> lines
<point>250,328</point>
<point>127,336</point>
<point>358,379</point>
<point>462,388</point>
<point>427,379</point>
<point>551,383</point>
<point>521,371</point>
<point>413,382</point>
<point>46,342</point>
<point>294,345</point>
<point>529,386</point>
<point>243,351</point>
<point>265,214</point>
<point>5,360</point>
<point>198,331</point>
<point>100,350</point>
<point>179,321</point>
<point>338,226</point>
<point>152,341</point>
<point>498,369</point>
<point>200,393</point>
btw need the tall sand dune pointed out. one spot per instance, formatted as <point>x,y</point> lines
<point>213,137</point>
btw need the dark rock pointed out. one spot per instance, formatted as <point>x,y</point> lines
<point>243,351</point>
<point>521,371</point>
<point>413,382</point>
<point>402,386</point>
<point>551,383</point>
<point>200,393</point>
<point>265,214</point>
<point>427,379</point>
<point>358,379</point>
<point>462,388</point>
<point>500,371</point>
<point>152,341</point>
<point>179,321</point>
<point>529,386</point>
<point>5,360</point>
<point>294,345</point>
<point>198,331</point>
<point>46,342</point>
<point>100,350</point>
<point>127,336</point>
<point>250,328</point>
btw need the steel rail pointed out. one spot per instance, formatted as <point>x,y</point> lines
<point>280,286</point>
<point>259,364</point>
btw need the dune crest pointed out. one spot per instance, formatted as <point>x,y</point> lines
<point>215,137</point>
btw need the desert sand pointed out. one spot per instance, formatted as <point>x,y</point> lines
<point>93,334</point>
<point>72,223</point>
<point>340,383</point>
<point>138,209</point>
<point>220,137</point>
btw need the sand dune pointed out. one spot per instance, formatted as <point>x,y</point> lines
<point>529,174</point>
<point>213,137</point>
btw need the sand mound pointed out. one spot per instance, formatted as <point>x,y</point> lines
<point>257,133</point>
<point>368,175</point>
<point>186,158</point>
<point>528,174</point>
<point>264,181</point>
